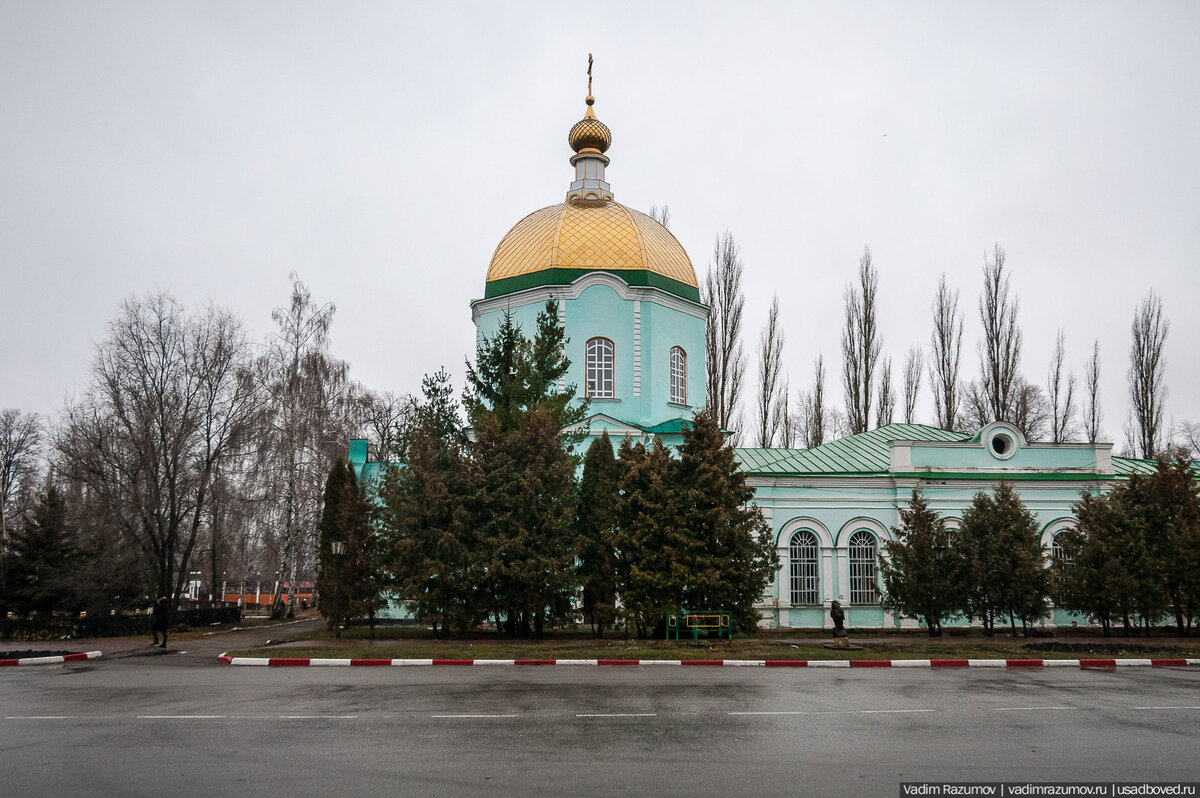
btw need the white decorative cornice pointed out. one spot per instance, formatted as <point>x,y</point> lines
<point>539,295</point>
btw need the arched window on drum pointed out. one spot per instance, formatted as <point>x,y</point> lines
<point>678,375</point>
<point>599,371</point>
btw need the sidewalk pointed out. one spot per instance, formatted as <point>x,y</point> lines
<point>204,646</point>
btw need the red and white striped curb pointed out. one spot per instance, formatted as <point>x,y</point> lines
<point>51,660</point>
<point>278,662</point>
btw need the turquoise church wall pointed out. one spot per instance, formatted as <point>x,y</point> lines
<point>644,324</point>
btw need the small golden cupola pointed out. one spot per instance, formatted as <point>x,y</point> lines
<point>589,138</point>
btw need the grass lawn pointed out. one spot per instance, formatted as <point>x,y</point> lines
<point>392,642</point>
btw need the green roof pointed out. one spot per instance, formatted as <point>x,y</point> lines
<point>675,425</point>
<point>866,453</point>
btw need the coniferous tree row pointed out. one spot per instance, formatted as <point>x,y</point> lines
<point>1134,557</point>
<point>498,528</point>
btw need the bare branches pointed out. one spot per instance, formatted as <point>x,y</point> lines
<point>1189,434</point>
<point>661,215</point>
<point>811,416</point>
<point>861,345</point>
<point>170,397</point>
<point>1060,390</point>
<point>20,448</point>
<point>1000,349</point>
<point>914,362</point>
<point>770,366</point>
<point>1091,386</point>
<point>725,360</point>
<point>1147,367</point>
<point>887,395</point>
<point>946,348</point>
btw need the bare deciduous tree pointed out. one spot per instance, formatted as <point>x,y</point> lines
<point>387,419</point>
<point>811,416</point>
<point>311,411</point>
<point>170,397</point>
<point>946,348</point>
<point>770,367</point>
<point>661,215</point>
<point>725,359</point>
<point>1000,349</point>
<point>1147,367</point>
<point>1189,434</point>
<point>886,409</point>
<point>786,419</point>
<point>913,365</point>
<point>20,449</point>
<point>1030,411</point>
<point>1060,391</point>
<point>1091,387</point>
<point>861,345</point>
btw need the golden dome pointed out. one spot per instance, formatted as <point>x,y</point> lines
<point>591,235</point>
<point>589,133</point>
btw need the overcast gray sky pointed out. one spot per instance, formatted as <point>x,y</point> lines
<point>381,150</point>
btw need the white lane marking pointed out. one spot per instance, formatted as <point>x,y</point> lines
<point>620,715</point>
<point>788,712</point>
<point>1028,709</point>
<point>1164,707</point>
<point>182,717</point>
<point>318,717</point>
<point>472,716</point>
<point>892,711</point>
<point>41,717</point>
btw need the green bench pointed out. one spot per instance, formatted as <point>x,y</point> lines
<point>696,622</point>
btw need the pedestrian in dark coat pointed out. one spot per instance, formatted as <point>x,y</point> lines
<point>162,619</point>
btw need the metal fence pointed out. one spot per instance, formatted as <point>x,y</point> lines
<point>119,625</point>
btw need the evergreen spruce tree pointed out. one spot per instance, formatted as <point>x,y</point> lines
<point>596,525</point>
<point>1089,578</point>
<point>364,571</point>
<point>1172,511</point>
<point>1000,551</point>
<point>426,512</point>
<point>525,502</point>
<point>722,539</point>
<point>330,599</point>
<point>653,568</point>
<point>920,575</point>
<point>44,559</point>
<point>512,375</point>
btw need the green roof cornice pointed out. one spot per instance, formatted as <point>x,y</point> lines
<point>557,276</point>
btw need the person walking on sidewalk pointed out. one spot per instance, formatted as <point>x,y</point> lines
<point>162,619</point>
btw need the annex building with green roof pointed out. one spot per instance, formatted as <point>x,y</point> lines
<point>832,508</point>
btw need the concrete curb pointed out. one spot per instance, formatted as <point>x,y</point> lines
<point>51,660</point>
<point>281,662</point>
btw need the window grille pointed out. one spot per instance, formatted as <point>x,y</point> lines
<point>678,376</point>
<point>600,368</point>
<point>803,557</point>
<point>863,563</point>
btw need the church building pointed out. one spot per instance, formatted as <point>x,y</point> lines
<point>629,303</point>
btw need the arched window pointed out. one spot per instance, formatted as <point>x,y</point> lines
<point>863,562</point>
<point>803,558</point>
<point>600,368</point>
<point>1057,552</point>
<point>678,376</point>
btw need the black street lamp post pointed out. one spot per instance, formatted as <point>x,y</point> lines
<point>338,549</point>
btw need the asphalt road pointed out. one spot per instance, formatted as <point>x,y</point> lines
<point>181,725</point>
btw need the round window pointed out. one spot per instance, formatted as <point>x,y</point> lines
<point>1002,443</point>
